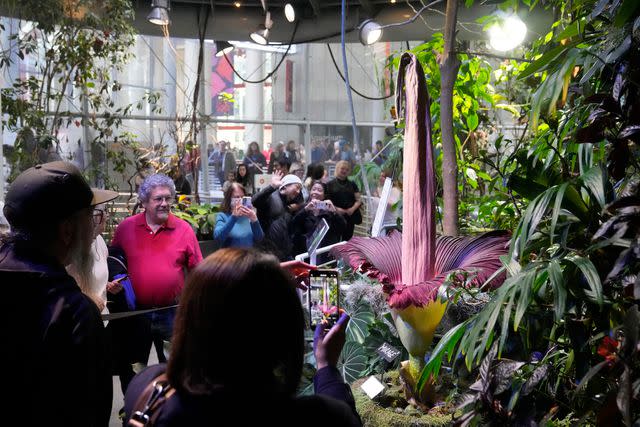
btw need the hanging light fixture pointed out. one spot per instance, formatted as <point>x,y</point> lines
<point>507,33</point>
<point>159,12</point>
<point>261,36</point>
<point>223,48</point>
<point>289,12</point>
<point>370,32</point>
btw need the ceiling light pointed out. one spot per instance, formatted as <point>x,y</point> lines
<point>507,32</point>
<point>223,48</point>
<point>159,12</point>
<point>370,32</point>
<point>289,12</point>
<point>261,36</point>
<point>237,4</point>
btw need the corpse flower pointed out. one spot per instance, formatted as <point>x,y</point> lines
<point>412,265</point>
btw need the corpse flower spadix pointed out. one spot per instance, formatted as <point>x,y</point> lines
<point>413,264</point>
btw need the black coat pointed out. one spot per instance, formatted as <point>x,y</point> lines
<point>333,405</point>
<point>56,366</point>
<point>305,223</point>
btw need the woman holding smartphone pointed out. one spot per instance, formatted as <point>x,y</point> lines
<point>237,225</point>
<point>306,221</point>
<point>219,373</point>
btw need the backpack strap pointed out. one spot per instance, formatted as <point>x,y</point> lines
<point>150,402</point>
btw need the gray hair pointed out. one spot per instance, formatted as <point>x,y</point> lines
<point>153,181</point>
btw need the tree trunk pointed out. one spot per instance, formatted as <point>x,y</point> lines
<point>449,65</point>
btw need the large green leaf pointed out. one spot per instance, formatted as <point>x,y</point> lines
<point>353,361</point>
<point>358,327</point>
<point>558,286</point>
<point>445,346</point>
<point>594,180</point>
<point>591,275</point>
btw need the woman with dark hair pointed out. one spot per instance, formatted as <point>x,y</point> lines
<point>315,172</point>
<point>221,374</point>
<point>237,225</point>
<point>254,159</point>
<point>244,178</point>
<point>305,222</point>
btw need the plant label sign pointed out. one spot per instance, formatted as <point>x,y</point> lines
<point>372,387</point>
<point>388,352</point>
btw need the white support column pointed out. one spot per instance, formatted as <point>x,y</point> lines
<point>254,99</point>
<point>307,109</point>
<point>205,109</point>
<point>377,115</point>
<point>169,80</point>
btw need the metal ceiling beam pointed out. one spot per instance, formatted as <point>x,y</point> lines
<point>315,6</point>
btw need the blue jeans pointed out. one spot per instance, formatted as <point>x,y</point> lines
<point>159,327</point>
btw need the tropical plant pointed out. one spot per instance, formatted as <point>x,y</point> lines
<point>562,329</point>
<point>201,217</point>
<point>413,265</point>
<point>58,38</point>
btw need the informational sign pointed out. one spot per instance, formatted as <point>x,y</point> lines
<point>378,220</point>
<point>388,352</point>
<point>261,180</point>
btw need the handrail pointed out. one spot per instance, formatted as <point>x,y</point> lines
<point>305,255</point>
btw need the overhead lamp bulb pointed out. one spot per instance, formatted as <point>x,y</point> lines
<point>507,33</point>
<point>159,12</point>
<point>223,48</point>
<point>370,32</point>
<point>261,36</point>
<point>289,12</point>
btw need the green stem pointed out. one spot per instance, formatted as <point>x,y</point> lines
<point>416,364</point>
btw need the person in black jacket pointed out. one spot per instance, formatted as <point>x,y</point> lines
<point>55,353</point>
<point>224,373</point>
<point>305,222</point>
<point>274,204</point>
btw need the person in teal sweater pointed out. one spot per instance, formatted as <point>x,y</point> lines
<point>237,226</point>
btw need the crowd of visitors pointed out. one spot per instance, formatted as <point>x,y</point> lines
<point>154,264</point>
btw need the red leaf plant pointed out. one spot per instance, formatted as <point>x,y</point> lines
<point>412,265</point>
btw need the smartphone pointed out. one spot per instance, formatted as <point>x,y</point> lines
<point>246,202</point>
<point>323,297</point>
<point>321,205</point>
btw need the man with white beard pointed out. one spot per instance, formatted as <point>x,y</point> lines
<point>54,351</point>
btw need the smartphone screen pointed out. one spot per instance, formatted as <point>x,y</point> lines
<point>323,297</point>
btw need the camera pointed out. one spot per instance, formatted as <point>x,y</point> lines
<point>246,202</point>
<point>323,297</point>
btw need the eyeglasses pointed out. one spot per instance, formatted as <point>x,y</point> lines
<point>160,199</point>
<point>98,216</point>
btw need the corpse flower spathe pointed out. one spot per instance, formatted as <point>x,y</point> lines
<point>413,264</point>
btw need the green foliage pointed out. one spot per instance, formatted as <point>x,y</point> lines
<point>74,47</point>
<point>201,217</point>
<point>568,312</point>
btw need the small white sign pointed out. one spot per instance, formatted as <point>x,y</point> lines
<point>372,387</point>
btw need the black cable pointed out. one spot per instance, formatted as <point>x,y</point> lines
<point>274,70</point>
<point>351,87</point>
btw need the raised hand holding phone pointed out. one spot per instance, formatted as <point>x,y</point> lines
<point>328,343</point>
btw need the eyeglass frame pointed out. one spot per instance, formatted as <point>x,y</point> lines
<point>102,213</point>
<point>159,199</point>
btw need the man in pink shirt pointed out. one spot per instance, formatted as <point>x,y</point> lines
<point>160,248</point>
